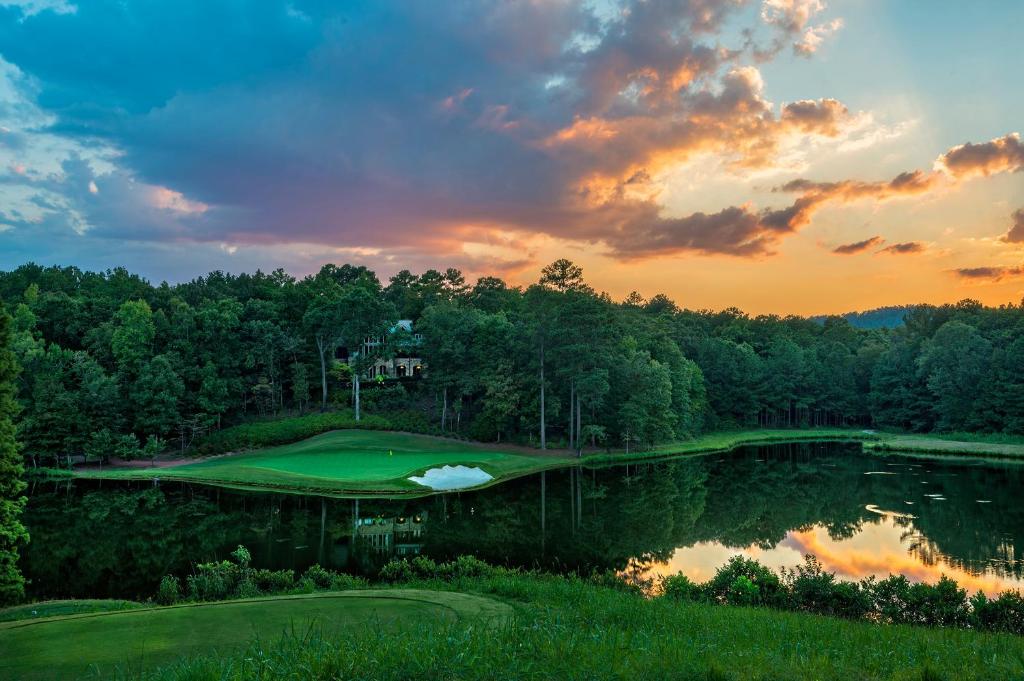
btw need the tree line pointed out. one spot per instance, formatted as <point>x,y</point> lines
<point>111,364</point>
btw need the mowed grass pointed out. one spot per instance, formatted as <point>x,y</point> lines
<point>110,644</point>
<point>63,607</point>
<point>958,444</point>
<point>345,462</point>
<point>947,445</point>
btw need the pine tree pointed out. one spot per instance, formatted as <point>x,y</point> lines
<point>12,532</point>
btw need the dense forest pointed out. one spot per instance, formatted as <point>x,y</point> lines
<point>111,364</point>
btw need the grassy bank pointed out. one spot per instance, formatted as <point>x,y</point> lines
<point>108,644</point>
<point>345,462</point>
<point>558,628</point>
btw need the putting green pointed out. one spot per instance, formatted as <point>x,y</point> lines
<point>100,644</point>
<point>345,462</point>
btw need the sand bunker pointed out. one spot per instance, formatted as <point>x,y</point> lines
<point>453,477</point>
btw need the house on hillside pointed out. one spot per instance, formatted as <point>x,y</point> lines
<point>403,359</point>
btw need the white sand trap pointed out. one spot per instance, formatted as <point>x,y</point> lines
<point>453,477</point>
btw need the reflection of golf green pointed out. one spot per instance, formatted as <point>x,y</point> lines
<point>345,461</point>
<point>68,647</point>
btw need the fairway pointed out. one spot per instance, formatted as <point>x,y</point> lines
<point>346,462</point>
<point>100,644</point>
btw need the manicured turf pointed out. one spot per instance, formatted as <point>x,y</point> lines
<point>73,646</point>
<point>357,462</point>
<point>929,444</point>
<point>69,607</point>
<point>374,462</point>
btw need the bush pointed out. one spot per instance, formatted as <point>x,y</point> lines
<point>421,567</point>
<point>283,431</point>
<point>273,581</point>
<point>943,604</point>
<point>169,591</point>
<point>1005,612</point>
<point>744,581</point>
<point>391,396</point>
<point>213,581</point>
<point>320,577</point>
<point>679,587</point>
<point>889,599</point>
<point>811,589</point>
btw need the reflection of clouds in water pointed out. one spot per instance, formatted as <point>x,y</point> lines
<point>881,548</point>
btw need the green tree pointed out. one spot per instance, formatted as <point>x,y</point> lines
<point>157,395</point>
<point>12,503</point>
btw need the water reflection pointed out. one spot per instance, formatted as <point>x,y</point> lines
<point>859,514</point>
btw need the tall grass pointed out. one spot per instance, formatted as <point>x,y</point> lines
<point>571,628</point>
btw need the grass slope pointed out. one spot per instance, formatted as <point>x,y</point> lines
<point>569,628</point>
<point>345,462</point>
<point>109,643</point>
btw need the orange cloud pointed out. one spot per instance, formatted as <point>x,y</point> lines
<point>906,248</point>
<point>858,246</point>
<point>1003,154</point>
<point>1016,233</point>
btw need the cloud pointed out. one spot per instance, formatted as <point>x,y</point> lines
<point>994,273</point>
<point>1003,154</point>
<point>1016,233</point>
<point>793,19</point>
<point>905,248</point>
<point>423,131</point>
<point>823,116</point>
<point>858,246</point>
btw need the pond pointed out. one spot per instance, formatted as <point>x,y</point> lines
<point>860,514</point>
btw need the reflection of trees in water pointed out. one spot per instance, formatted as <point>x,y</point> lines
<point>99,540</point>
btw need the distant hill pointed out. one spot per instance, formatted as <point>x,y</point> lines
<point>880,318</point>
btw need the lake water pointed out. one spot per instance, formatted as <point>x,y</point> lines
<point>860,514</point>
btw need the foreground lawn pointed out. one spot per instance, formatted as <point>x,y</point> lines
<point>569,628</point>
<point>357,462</point>
<point>109,644</point>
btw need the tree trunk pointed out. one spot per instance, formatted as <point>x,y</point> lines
<point>356,381</point>
<point>323,375</point>
<point>579,429</point>
<point>444,408</point>
<point>572,412</point>
<point>543,426</point>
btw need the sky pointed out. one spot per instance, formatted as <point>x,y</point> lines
<point>786,156</point>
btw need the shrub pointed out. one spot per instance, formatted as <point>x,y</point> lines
<point>213,581</point>
<point>679,587</point>
<point>273,581</point>
<point>889,599</point>
<point>811,589</point>
<point>744,581</point>
<point>422,567</point>
<point>320,577</point>
<point>1005,612</point>
<point>343,582</point>
<point>169,591</point>
<point>283,431</point>
<point>943,604</point>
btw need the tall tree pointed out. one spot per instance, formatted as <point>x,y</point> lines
<point>12,503</point>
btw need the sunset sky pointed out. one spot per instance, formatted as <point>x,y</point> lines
<point>790,156</point>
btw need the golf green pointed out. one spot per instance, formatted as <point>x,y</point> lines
<point>346,462</point>
<point>101,644</point>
